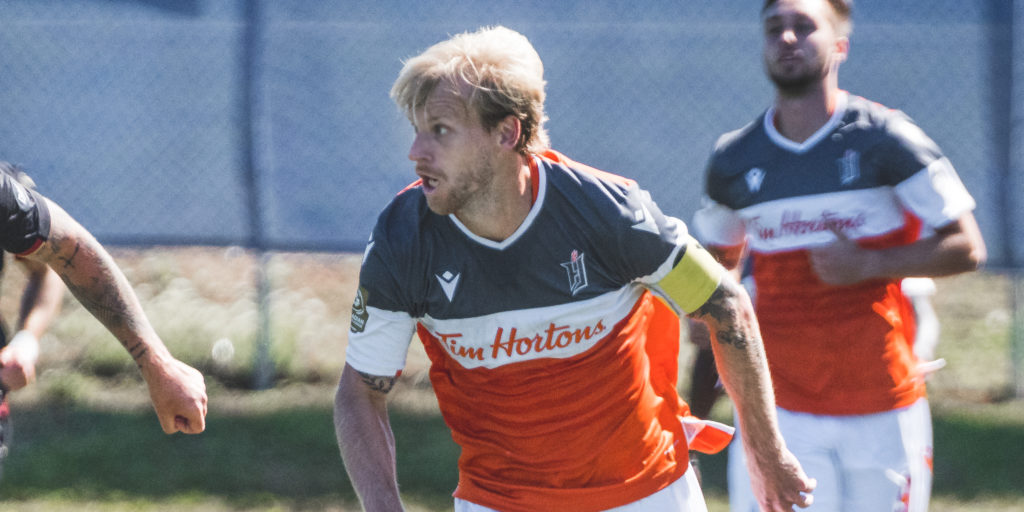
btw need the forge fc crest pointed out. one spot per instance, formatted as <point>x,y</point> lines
<point>576,268</point>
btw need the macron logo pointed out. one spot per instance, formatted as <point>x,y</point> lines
<point>644,221</point>
<point>448,282</point>
<point>754,178</point>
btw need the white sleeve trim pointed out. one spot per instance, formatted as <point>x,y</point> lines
<point>936,194</point>
<point>719,225</point>
<point>667,265</point>
<point>381,348</point>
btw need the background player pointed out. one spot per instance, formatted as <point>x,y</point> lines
<point>526,276</point>
<point>39,230</point>
<point>40,304</point>
<point>838,199</point>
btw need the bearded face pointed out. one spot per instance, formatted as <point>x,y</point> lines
<point>800,44</point>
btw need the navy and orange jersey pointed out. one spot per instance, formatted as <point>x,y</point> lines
<point>869,172</point>
<point>553,363</point>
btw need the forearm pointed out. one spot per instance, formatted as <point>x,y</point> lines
<point>41,300</point>
<point>743,369</point>
<point>178,391</point>
<point>946,253</point>
<point>93,277</point>
<point>366,441</point>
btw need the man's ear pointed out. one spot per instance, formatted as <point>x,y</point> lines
<point>842,49</point>
<point>509,131</point>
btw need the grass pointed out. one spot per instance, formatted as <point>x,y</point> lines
<point>85,437</point>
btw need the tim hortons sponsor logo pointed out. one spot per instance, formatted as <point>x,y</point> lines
<point>514,344</point>
<point>791,224</point>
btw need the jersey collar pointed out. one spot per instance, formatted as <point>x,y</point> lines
<point>539,178</point>
<point>803,147</point>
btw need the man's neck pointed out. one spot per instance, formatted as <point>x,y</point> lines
<point>500,212</point>
<point>799,117</point>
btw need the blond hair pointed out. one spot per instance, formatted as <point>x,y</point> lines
<point>495,70</point>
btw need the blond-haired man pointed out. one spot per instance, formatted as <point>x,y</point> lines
<point>531,281</point>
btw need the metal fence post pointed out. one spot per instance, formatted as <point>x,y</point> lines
<point>1012,213</point>
<point>1017,331</point>
<point>258,161</point>
<point>263,363</point>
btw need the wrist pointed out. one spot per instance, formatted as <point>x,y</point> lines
<point>763,444</point>
<point>148,357</point>
<point>26,344</point>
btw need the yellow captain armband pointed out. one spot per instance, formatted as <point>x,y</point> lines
<point>694,278</point>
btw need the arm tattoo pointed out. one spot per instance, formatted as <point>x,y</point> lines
<point>378,383</point>
<point>103,299</point>
<point>721,312</point>
<point>69,260</point>
<point>732,338</point>
<point>94,279</point>
<point>138,350</point>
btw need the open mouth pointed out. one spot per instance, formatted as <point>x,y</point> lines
<point>429,184</point>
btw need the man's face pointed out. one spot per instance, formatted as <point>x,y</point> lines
<point>453,153</point>
<point>800,44</point>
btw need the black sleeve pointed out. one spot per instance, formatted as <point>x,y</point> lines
<point>25,217</point>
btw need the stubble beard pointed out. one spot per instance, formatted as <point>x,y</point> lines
<point>467,191</point>
<point>798,84</point>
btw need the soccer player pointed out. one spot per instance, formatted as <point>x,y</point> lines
<point>531,281</point>
<point>39,231</point>
<point>838,199</point>
<point>40,303</point>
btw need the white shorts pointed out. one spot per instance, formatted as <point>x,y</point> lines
<point>683,495</point>
<point>874,463</point>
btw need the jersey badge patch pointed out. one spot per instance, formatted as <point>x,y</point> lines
<point>359,313</point>
<point>449,282</point>
<point>576,268</point>
<point>849,167</point>
<point>754,178</point>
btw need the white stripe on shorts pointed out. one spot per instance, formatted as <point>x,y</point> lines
<point>684,495</point>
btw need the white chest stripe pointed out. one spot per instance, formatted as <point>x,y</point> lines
<point>511,337</point>
<point>936,194</point>
<point>802,222</point>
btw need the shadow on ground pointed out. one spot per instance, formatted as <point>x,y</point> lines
<point>291,455</point>
<point>247,460</point>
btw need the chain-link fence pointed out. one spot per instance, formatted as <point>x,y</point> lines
<point>267,124</point>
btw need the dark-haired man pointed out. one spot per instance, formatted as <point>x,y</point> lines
<point>838,199</point>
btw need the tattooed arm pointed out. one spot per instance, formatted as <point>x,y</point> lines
<point>365,438</point>
<point>777,477</point>
<point>176,389</point>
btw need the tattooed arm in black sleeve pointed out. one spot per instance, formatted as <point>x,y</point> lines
<point>177,390</point>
